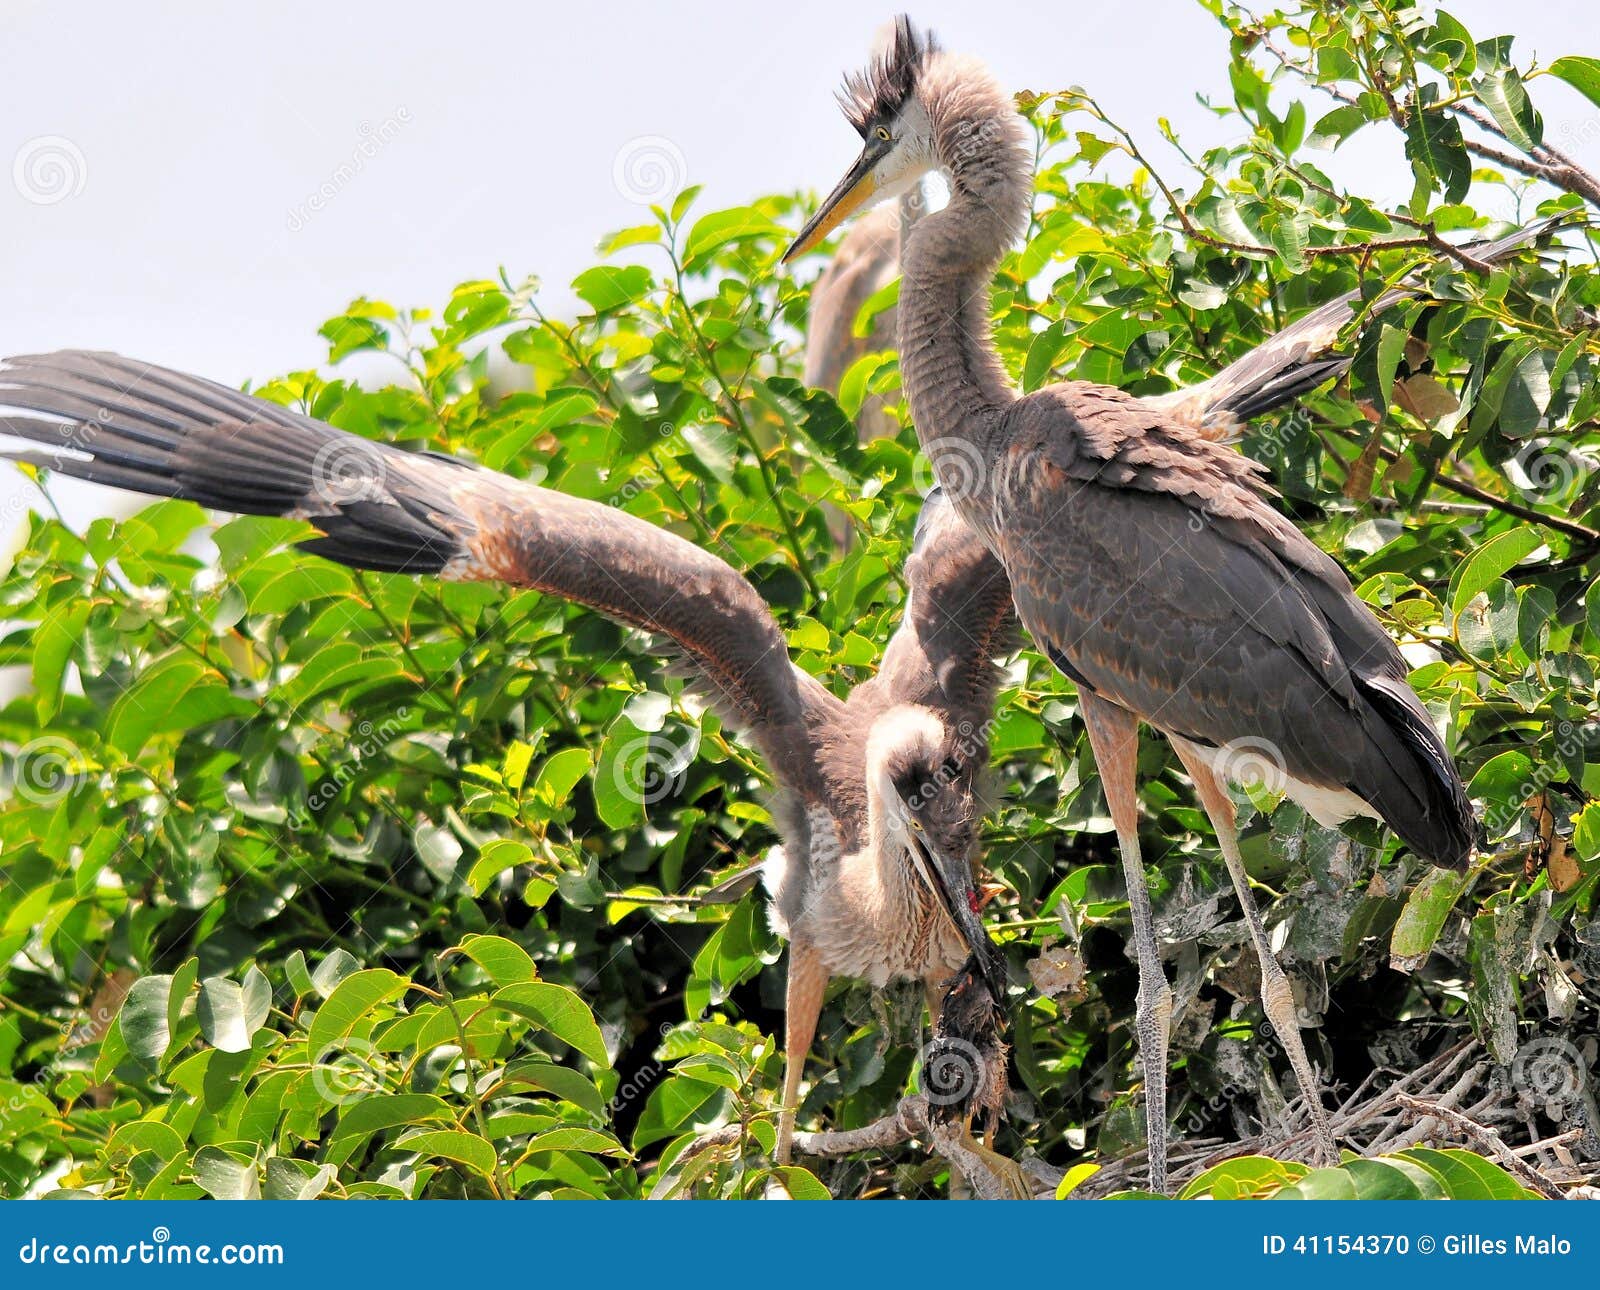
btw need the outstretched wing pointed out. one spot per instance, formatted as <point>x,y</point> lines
<point>1148,565</point>
<point>114,421</point>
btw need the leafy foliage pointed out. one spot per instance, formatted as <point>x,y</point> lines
<point>322,883</point>
<point>1419,1173</point>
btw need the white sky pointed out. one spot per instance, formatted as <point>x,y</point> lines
<point>202,130</point>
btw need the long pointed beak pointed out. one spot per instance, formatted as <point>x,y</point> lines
<point>958,894</point>
<point>853,192</point>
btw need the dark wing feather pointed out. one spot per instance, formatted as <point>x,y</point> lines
<point>134,426</point>
<point>1148,564</point>
<point>958,620</point>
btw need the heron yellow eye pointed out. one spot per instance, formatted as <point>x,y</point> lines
<point>882,133</point>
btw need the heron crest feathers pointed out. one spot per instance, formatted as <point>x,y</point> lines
<point>881,89</point>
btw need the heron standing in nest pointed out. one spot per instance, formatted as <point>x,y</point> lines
<point>1145,559</point>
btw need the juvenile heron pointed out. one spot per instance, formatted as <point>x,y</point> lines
<point>876,804</point>
<point>1144,558</point>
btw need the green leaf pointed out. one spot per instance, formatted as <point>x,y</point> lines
<point>376,1112</point>
<point>1244,1178</point>
<point>53,643</point>
<point>1465,1176</point>
<point>559,1011</point>
<point>560,774</point>
<point>1583,74</point>
<point>608,287</point>
<point>720,228</point>
<point>1502,92</point>
<point>801,1184</point>
<point>494,859</point>
<point>230,1013</point>
<point>1424,916</point>
<point>1391,348</point>
<point>1335,127</point>
<point>333,969</point>
<point>353,999</point>
<point>559,1081</point>
<point>1075,1177</point>
<point>573,1137</point>
<point>289,1179</point>
<point>225,1176</point>
<point>143,1018</point>
<point>178,693</point>
<point>449,1144</point>
<point>637,235</point>
<point>505,961</point>
<point>1437,152</point>
<point>1586,832</point>
<point>1490,561</point>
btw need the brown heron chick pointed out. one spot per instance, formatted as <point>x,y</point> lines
<point>876,801</point>
<point>1146,560</point>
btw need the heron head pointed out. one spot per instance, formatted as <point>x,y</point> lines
<point>924,777</point>
<point>881,102</point>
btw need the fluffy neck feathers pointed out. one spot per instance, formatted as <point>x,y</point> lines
<point>954,379</point>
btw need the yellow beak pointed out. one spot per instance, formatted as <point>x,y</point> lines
<point>854,191</point>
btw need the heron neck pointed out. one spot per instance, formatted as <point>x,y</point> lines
<point>955,383</point>
<point>885,848</point>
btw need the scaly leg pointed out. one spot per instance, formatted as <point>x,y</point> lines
<point>808,983</point>
<point>1114,738</point>
<point>1277,995</point>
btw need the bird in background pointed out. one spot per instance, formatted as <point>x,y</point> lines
<point>1145,559</point>
<point>878,798</point>
<point>867,261</point>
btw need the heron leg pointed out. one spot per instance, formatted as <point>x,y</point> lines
<point>1114,739</point>
<point>933,991</point>
<point>808,983</point>
<point>1277,995</point>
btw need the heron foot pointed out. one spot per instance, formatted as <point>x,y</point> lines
<point>1013,1182</point>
